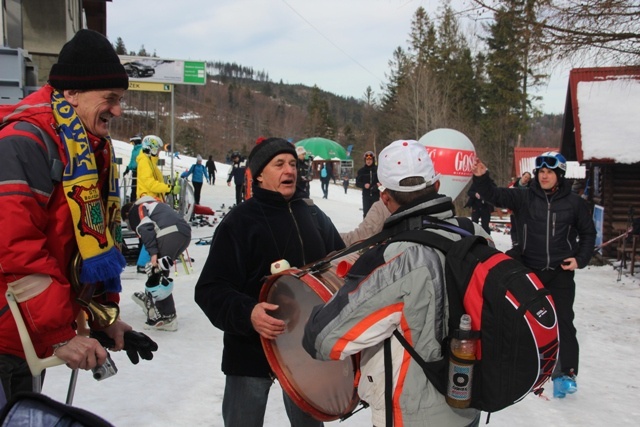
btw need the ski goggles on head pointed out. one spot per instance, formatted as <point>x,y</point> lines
<point>549,162</point>
<point>369,155</point>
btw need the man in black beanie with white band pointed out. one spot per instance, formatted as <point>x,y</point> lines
<point>277,223</point>
<point>60,213</point>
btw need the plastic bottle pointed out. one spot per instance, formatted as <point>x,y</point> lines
<point>463,349</point>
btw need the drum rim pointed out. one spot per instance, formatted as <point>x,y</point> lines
<point>320,289</point>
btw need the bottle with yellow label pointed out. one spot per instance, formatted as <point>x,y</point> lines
<point>461,359</point>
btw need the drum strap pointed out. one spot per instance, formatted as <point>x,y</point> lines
<point>413,223</point>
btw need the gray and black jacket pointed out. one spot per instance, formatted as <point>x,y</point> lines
<point>163,231</point>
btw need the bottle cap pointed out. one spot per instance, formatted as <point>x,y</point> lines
<point>465,322</point>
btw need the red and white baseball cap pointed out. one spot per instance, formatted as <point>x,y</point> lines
<point>402,159</point>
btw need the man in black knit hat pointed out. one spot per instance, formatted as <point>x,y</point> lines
<point>276,223</point>
<point>60,210</point>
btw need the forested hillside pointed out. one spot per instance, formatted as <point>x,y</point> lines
<point>437,81</point>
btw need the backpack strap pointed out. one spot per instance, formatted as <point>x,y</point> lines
<point>430,369</point>
<point>388,383</point>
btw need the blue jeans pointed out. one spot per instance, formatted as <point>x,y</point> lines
<point>245,401</point>
<point>15,375</point>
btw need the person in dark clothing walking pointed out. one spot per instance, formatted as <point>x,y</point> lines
<point>345,182</point>
<point>324,180</point>
<point>237,174</point>
<point>330,171</point>
<point>480,209</point>
<point>556,235</point>
<point>276,223</point>
<point>367,179</point>
<point>304,171</point>
<point>211,168</point>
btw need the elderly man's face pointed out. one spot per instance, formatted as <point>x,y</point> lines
<point>96,108</point>
<point>280,175</point>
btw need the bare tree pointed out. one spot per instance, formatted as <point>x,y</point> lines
<point>595,31</point>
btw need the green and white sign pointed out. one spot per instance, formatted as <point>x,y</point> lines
<point>160,70</point>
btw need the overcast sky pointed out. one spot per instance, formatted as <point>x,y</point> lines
<point>342,46</point>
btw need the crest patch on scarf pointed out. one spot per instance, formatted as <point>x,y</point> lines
<point>92,220</point>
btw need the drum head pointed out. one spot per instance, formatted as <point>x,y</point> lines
<point>324,389</point>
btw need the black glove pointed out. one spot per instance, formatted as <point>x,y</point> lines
<point>126,171</point>
<point>136,344</point>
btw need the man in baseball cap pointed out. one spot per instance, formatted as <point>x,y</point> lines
<point>395,286</point>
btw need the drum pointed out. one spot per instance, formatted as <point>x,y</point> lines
<point>324,389</point>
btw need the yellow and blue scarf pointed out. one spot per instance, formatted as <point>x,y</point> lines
<point>96,221</point>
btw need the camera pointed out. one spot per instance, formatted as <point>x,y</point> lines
<point>106,370</point>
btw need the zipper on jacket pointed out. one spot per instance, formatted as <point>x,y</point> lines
<point>548,238</point>
<point>568,237</point>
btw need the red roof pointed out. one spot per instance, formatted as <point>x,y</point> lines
<point>524,158</point>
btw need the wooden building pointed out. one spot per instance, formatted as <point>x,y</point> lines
<point>601,130</point>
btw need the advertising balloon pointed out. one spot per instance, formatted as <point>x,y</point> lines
<point>452,154</point>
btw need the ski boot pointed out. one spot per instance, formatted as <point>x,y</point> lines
<point>146,303</point>
<point>564,385</point>
<point>164,317</point>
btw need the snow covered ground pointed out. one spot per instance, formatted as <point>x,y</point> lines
<point>183,384</point>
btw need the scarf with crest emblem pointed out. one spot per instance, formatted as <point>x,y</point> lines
<point>96,220</point>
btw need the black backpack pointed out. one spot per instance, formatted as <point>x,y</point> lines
<point>512,312</point>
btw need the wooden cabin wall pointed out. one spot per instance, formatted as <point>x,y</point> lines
<point>617,189</point>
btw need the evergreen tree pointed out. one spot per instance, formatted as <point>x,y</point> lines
<point>505,118</point>
<point>393,123</point>
<point>320,122</point>
<point>119,47</point>
<point>434,84</point>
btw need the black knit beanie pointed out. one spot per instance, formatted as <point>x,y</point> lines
<point>263,152</point>
<point>88,61</point>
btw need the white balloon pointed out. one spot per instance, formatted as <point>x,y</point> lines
<point>452,154</point>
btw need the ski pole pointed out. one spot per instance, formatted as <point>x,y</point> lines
<point>189,259</point>
<point>608,242</point>
<point>72,386</point>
